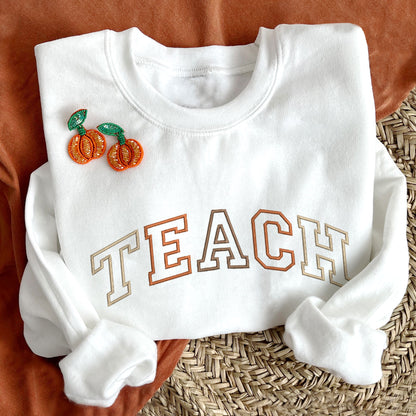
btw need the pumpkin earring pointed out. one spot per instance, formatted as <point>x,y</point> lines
<point>127,153</point>
<point>87,144</point>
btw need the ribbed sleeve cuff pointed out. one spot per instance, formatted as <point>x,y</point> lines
<point>345,347</point>
<point>110,357</point>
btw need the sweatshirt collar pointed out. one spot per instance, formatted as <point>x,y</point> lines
<point>126,49</point>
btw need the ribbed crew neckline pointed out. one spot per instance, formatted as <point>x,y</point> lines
<point>126,49</point>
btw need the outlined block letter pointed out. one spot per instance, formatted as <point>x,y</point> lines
<point>323,256</point>
<point>262,223</point>
<point>165,249</point>
<point>113,256</point>
<point>221,237</point>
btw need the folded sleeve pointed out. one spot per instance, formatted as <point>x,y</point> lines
<point>101,356</point>
<point>342,334</point>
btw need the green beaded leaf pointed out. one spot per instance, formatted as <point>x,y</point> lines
<point>110,129</point>
<point>77,119</point>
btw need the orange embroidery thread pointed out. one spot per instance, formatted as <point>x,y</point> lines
<point>274,263</point>
<point>87,144</point>
<point>127,153</point>
<point>165,243</point>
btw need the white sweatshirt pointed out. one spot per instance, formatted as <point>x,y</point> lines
<point>262,197</point>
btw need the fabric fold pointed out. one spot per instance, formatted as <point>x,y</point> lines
<point>342,334</point>
<point>101,360</point>
<point>108,358</point>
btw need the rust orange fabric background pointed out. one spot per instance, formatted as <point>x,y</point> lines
<point>30,385</point>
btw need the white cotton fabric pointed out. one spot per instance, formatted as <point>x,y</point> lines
<point>263,198</point>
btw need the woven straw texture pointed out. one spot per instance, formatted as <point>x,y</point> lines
<point>256,374</point>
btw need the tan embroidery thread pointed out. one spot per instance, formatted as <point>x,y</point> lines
<point>224,238</point>
<point>318,271</point>
<point>320,259</point>
<point>286,258</point>
<point>113,254</point>
<point>221,242</point>
<point>158,240</point>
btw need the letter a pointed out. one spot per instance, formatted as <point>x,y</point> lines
<point>221,237</point>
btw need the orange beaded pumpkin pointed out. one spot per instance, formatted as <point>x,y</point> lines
<point>127,153</point>
<point>87,144</point>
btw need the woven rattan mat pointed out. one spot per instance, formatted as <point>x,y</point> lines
<point>256,374</point>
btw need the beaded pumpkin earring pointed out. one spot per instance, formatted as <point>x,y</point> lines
<point>87,144</point>
<point>127,153</point>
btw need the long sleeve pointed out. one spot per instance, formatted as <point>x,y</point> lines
<point>342,334</point>
<point>102,356</point>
